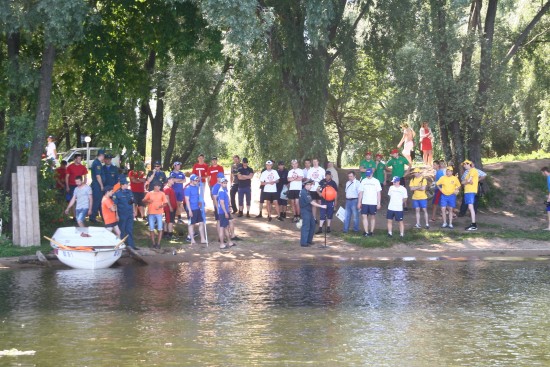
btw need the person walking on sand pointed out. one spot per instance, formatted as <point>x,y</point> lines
<point>546,172</point>
<point>308,221</point>
<point>419,198</point>
<point>398,196</point>
<point>155,200</point>
<point>449,186</point>
<point>192,201</point>
<point>426,140</point>
<point>407,141</point>
<point>370,199</point>
<point>82,196</point>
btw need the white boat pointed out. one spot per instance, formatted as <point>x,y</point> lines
<point>86,248</point>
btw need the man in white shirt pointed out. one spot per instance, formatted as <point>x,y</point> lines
<point>398,196</point>
<point>369,201</point>
<point>315,173</point>
<point>269,179</point>
<point>295,177</point>
<point>352,188</point>
<point>51,150</point>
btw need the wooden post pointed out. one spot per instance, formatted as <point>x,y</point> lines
<point>26,222</point>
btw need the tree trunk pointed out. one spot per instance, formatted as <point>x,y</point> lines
<point>78,133</point>
<point>475,136</point>
<point>141,137</point>
<point>208,109</point>
<point>171,143</point>
<point>43,108</point>
<point>157,124</point>
<point>13,154</point>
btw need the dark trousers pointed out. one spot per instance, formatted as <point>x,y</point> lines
<point>232,194</point>
<point>308,228</point>
<point>97,195</point>
<point>126,225</point>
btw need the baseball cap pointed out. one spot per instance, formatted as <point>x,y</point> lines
<point>223,180</point>
<point>108,156</point>
<point>449,168</point>
<point>220,175</point>
<point>214,158</point>
<point>416,170</point>
<point>379,155</point>
<point>269,162</point>
<point>396,179</point>
<point>308,182</point>
<point>123,181</point>
<point>101,151</point>
<point>51,137</point>
<point>157,163</point>
<point>368,153</point>
<point>281,163</point>
<point>467,162</point>
<point>394,151</point>
<point>368,172</point>
<point>176,164</point>
<point>193,177</point>
<point>245,160</point>
<point>328,173</point>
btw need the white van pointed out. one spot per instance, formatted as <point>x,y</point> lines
<point>69,156</point>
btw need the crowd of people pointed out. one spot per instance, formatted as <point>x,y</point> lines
<point>311,191</point>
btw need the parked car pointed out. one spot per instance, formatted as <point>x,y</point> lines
<point>69,156</point>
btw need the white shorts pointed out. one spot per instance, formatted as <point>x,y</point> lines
<point>408,147</point>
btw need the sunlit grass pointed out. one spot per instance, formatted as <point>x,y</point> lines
<point>539,154</point>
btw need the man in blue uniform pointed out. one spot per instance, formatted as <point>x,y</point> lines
<point>308,221</point>
<point>98,184</point>
<point>124,201</point>
<point>110,171</point>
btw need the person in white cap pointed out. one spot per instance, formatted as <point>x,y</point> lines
<point>398,196</point>
<point>269,179</point>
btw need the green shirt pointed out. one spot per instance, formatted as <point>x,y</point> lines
<point>397,166</point>
<point>379,172</point>
<point>366,165</point>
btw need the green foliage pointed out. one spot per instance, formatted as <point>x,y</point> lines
<point>5,207</point>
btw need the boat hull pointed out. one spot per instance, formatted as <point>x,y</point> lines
<point>88,259</point>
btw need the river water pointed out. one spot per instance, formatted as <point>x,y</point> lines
<point>270,313</point>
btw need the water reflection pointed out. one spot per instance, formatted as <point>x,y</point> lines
<point>258,313</point>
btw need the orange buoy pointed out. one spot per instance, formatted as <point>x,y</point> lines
<point>328,193</point>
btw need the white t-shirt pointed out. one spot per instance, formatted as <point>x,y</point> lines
<point>295,173</point>
<point>315,174</point>
<point>397,194</point>
<point>268,176</point>
<point>370,187</point>
<point>50,150</point>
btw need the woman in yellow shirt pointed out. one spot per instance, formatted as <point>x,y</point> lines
<point>419,198</point>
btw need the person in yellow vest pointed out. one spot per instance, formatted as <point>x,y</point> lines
<point>449,186</point>
<point>419,198</point>
<point>470,182</point>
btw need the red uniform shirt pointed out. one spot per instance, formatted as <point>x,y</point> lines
<point>201,170</point>
<point>137,186</point>
<point>171,197</point>
<point>213,174</point>
<point>74,170</point>
<point>60,173</point>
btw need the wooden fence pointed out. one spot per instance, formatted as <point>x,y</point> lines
<point>26,223</point>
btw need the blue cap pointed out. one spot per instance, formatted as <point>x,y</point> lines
<point>220,175</point>
<point>101,151</point>
<point>193,177</point>
<point>368,172</point>
<point>396,179</point>
<point>123,181</point>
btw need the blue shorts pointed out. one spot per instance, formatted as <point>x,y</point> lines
<point>422,204</point>
<point>224,222</point>
<point>437,197</point>
<point>179,195</point>
<point>196,216</point>
<point>448,200</point>
<point>155,218</point>
<point>327,213</point>
<point>81,214</point>
<point>398,216</point>
<point>368,209</point>
<point>469,198</point>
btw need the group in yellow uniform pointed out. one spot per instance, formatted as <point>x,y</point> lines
<point>449,186</point>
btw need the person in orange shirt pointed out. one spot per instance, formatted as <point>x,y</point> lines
<point>155,201</point>
<point>108,208</point>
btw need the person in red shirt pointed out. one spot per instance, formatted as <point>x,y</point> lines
<point>73,170</point>
<point>201,169</point>
<point>213,171</point>
<point>170,209</point>
<point>60,173</point>
<point>137,180</point>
